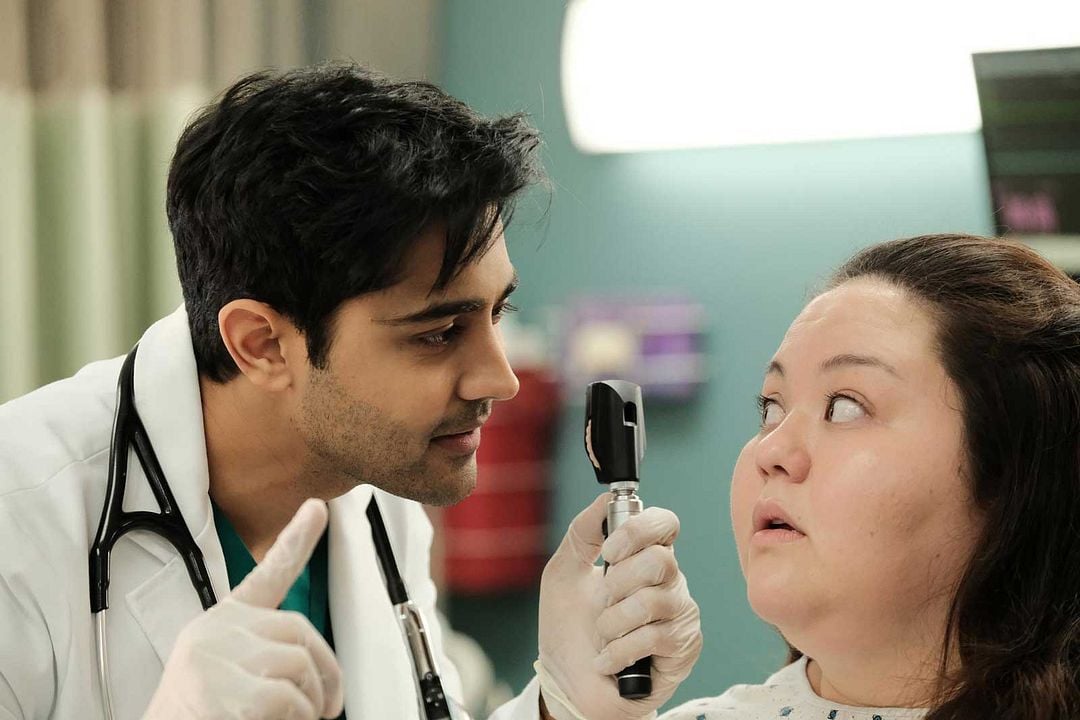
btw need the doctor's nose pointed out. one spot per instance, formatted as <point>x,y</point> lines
<point>782,453</point>
<point>488,375</point>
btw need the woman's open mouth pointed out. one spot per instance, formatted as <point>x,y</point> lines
<point>773,525</point>
<point>777,532</point>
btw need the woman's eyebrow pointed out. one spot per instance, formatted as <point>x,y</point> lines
<point>839,361</point>
<point>849,360</point>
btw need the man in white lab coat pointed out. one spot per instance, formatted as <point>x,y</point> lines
<point>339,244</point>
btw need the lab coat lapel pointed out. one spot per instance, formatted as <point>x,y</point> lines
<point>368,642</point>
<point>168,400</point>
<point>159,598</point>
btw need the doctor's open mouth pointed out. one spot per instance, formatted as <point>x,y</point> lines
<point>462,443</point>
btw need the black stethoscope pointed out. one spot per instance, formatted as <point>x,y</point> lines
<point>129,433</point>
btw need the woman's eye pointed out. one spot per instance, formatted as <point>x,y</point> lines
<point>843,409</point>
<point>771,412</point>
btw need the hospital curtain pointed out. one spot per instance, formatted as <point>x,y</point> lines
<point>93,94</point>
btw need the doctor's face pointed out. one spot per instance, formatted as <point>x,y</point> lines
<point>850,507</point>
<point>410,380</point>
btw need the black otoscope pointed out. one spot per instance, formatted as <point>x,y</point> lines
<point>615,444</point>
<point>429,691</point>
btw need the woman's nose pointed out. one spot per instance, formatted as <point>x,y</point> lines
<point>783,452</point>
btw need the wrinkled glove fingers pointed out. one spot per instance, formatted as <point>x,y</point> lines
<point>659,638</point>
<point>278,699</point>
<point>648,605</point>
<point>655,565</point>
<point>677,659</point>
<point>654,526</point>
<point>281,661</point>
<point>294,629</point>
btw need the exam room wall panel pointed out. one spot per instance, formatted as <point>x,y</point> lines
<point>746,231</point>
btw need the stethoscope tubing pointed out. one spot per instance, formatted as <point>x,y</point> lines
<point>128,433</point>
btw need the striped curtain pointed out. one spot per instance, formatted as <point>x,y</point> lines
<point>93,95</point>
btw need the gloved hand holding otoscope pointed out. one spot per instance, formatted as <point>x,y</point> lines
<point>579,606</point>
<point>615,444</point>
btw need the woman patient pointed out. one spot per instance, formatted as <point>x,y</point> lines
<point>908,514</point>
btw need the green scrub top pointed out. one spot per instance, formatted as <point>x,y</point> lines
<point>307,596</point>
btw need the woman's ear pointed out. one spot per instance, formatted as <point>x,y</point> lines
<point>265,346</point>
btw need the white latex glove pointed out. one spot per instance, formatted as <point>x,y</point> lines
<point>243,658</point>
<point>592,625</point>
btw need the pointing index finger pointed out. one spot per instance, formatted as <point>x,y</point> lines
<point>267,585</point>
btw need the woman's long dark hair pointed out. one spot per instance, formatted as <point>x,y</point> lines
<point>1008,335</point>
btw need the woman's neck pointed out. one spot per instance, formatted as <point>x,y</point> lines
<point>864,686</point>
<point>877,658</point>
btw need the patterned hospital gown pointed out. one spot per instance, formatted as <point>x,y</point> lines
<point>786,695</point>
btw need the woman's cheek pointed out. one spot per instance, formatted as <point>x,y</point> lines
<point>745,489</point>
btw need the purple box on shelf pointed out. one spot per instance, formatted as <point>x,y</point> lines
<point>656,342</point>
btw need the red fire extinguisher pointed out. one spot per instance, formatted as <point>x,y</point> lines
<point>496,539</point>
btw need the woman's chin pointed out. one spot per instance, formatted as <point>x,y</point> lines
<point>775,599</point>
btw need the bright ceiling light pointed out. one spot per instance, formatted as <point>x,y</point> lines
<point>663,74</point>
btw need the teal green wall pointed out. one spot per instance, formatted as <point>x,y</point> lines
<point>746,231</point>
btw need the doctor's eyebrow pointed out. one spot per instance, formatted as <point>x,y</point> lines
<point>840,361</point>
<point>449,308</point>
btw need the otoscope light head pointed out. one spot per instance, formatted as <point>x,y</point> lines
<point>615,430</point>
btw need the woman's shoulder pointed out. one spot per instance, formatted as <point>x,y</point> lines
<point>785,695</point>
<point>747,702</point>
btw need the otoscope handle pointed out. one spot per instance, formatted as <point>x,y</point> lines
<point>432,698</point>
<point>635,681</point>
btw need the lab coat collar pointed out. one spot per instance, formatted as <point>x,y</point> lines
<point>378,684</point>
<point>170,404</point>
<point>168,400</point>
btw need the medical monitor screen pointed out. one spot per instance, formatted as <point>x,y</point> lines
<point>1030,103</point>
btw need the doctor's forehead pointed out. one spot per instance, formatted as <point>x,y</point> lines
<point>423,264</point>
<point>480,284</point>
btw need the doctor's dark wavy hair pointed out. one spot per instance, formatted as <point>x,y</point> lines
<point>1008,335</point>
<point>308,188</point>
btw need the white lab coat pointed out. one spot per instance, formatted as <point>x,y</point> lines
<point>54,452</point>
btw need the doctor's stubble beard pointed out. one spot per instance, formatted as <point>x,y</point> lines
<point>353,443</point>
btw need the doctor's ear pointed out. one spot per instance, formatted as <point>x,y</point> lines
<point>264,344</point>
